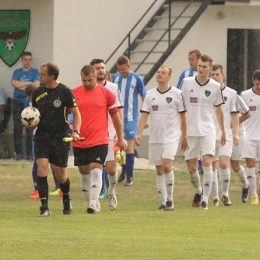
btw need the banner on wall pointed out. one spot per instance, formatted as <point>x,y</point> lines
<point>14,34</point>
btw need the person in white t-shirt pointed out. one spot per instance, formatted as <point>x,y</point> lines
<point>236,156</point>
<point>251,151</point>
<point>202,94</point>
<point>223,153</point>
<point>166,107</point>
<point>111,164</point>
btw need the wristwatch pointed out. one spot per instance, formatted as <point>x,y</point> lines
<point>77,131</point>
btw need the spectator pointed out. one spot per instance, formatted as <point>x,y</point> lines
<point>20,79</point>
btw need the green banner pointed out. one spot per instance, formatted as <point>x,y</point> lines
<point>14,34</point>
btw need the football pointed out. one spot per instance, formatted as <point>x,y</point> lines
<point>30,117</point>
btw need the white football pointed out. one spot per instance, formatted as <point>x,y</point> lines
<point>30,117</point>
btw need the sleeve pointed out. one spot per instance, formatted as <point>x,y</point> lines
<point>34,104</point>
<point>2,97</point>
<point>71,101</point>
<point>111,102</point>
<point>141,87</point>
<point>117,93</point>
<point>145,105</point>
<point>234,103</point>
<point>219,98</point>
<point>242,106</point>
<point>36,75</point>
<point>27,102</point>
<point>15,75</point>
<point>178,85</point>
<point>182,104</point>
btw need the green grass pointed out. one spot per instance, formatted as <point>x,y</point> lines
<point>135,230</point>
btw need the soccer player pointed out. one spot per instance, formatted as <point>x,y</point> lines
<point>202,94</point>
<point>53,100</point>
<point>236,156</point>
<point>94,102</point>
<point>20,79</point>
<point>111,164</point>
<point>166,106</point>
<point>251,151</point>
<point>130,85</point>
<point>193,57</point>
<point>222,155</point>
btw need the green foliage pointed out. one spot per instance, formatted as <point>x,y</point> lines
<point>135,230</point>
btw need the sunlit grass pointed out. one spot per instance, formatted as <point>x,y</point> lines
<point>135,230</point>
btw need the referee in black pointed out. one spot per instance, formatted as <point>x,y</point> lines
<point>54,101</point>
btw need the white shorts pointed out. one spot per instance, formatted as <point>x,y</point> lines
<point>220,150</point>
<point>157,152</point>
<point>110,152</point>
<point>238,149</point>
<point>252,149</point>
<point>199,146</point>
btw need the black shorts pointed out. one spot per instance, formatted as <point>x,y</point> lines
<point>95,154</point>
<point>51,147</point>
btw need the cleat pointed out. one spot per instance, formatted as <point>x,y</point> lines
<point>55,192</point>
<point>98,206</point>
<point>196,200</point>
<point>92,208</point>
<point>102,195</point>
<point>161,207</point>
<point>121,177</point>
<point>112,201</point>
<point>169,205</point>
<point>226,201</point>
<point>44,212</point>
<point>35,195</point>
<point>67,207</point>
<point>215,202</point>
<point>245,194</point>
<point>204,205</point>
<point>129,182</point>
<point>254,201</point>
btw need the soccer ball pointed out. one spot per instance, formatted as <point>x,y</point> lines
<point>9,44</point>
<point>30,117</point>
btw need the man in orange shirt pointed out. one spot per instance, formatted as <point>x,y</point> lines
<point>94,102</point>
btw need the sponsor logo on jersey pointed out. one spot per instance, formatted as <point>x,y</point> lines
<point>193,100</point>
<point>207,93</point>
<point>252,108</point>
<point>155,107</point>
<point>168,99</point>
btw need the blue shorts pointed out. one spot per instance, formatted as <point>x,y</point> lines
<point>130,128</point>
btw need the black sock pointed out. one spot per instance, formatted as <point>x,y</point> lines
<point>65,188</point>
<point>43,190</point>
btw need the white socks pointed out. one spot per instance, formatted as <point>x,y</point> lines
<point>95,186</point>
<point>169,183</point>
<point>207,182</point>
<point>225,180</point>
<point>85,185</point>
<point>195,180</point>
<point>161,188</point>
<point>112,184</point>
<point>242,176</point>
<point>214,188</point>
<point>250,174</point>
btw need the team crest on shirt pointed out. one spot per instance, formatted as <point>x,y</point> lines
<point>155,107</point>
<point>225,98</point>
<point>207,93</point>
<point>168,99</point>
<point>57,103</point>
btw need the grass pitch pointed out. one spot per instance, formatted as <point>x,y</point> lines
<point>135,230</point>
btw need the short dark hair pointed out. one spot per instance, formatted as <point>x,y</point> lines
<point>218,66</point>
<point>96,61</point>
<point>52,69</point>
<point>122,60</point>
<point>256,74</point>
<point>206,58</point>
<point>197,52</point>
<point>29,90</point>
<point>87,70</point>
<point>26,53</point>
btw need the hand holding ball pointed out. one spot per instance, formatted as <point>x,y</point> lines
<point>30,117</point>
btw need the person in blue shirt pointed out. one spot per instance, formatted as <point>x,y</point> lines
<point>20,79</point>
<point>130,85</point>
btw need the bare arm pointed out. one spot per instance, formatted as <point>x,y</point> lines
<point>141,126</point>
<point>118,125</point>
<point>220,118</point>
<point>76,122</point>
<point>147,122</point>
<point>21,85</point>
<point>235,125</point>
<point>244,117</point>
<point>184,139</point>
